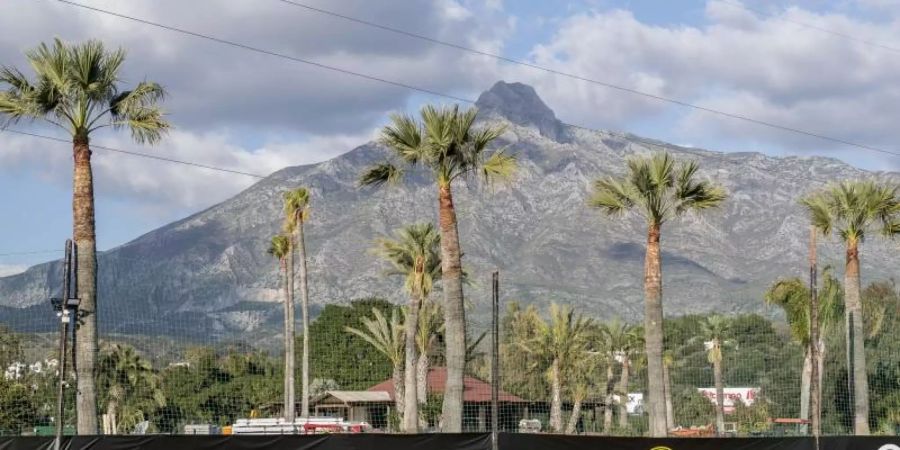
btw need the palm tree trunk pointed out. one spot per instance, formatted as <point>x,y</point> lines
<point>290,356</point>
<point>608,408</point>
<point>454,313</point>
<point>653,334</point>
<point>86,338</point>
<point>805,384</point>
<point>286,274</point>
<point>399,391</point>
<point>576,414</point>
<point>555,397</point>
<point>821,368</point>
<point>670,410</point>
<point>820,376</point>
<point>422,386</point>
<point>720,397</point>
<point>304,313</point>
<point>422,367</point>
<point>411,407</point>
<point>623,395</point>
<point>111,418</point>
<point>856,346</point>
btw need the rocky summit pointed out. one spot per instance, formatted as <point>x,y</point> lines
<point>209,274</point>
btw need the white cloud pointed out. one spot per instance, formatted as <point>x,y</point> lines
<point>159,184</point>
<point>758,66</point>
<point>236,109</point>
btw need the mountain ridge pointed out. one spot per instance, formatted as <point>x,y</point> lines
<point>538,231</point>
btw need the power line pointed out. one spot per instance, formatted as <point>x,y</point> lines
<point>583,78</point>
<point>139,154</point>
<point>261,50</point>
<point>810,26</point>
<point>32,252</point>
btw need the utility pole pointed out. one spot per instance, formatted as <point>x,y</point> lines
<point>65,308</point>
<point>815,400</point>
<point>495,356</point>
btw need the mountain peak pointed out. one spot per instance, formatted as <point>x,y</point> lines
<point>520,104</point>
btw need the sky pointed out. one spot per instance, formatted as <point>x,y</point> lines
<point>765,59</point>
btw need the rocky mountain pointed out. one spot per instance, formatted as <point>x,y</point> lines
<point>209,274</point>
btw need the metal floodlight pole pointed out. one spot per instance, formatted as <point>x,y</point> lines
<point>815,377</point>
<point>62,307</point>
<point>495,356</point>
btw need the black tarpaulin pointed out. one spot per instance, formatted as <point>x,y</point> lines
<point>465,441</point>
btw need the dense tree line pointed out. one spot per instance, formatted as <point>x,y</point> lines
<point>218,385</point>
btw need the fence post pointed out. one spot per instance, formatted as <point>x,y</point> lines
<point>495,356</point>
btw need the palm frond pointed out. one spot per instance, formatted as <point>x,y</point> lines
<point>853,208</point>
<point>612,196</point>
<point>384,335</point>
<point>500,166</point>
<point>147,125</point>
<point>405,138</point>
<point>279,247</point>
<point>380,174</point>
<point>296,207</point>
<point>415,254</point>
<point>819,212</point>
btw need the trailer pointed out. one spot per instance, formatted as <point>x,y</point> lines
<point>311,425</point>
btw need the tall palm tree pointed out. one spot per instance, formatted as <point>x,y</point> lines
<point>852,209</point>
<point>387,337</point>
<point>447,143</point>
<point>659,190</point>
<point>76,88</point>
<point>296,211</point>
<point>793,297</point>
<point>415,255</point>
<point>280,248</point>
<point>132,387</point>
<point>714,334</point>
<point>561,344</point>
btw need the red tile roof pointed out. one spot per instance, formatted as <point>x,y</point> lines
<point>474,390</point>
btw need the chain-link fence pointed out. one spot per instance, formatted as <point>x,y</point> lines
<point>562,370</point>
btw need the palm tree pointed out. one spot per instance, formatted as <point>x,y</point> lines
<point>447,143</point>
<point>626,349</point>
<point>296,211</point>
<point>415,255</point>
<point>561,343</point>
<point>76,89</point>
<point>606,348</point>
<point>388,338</point>
<point>714,335</point>
<point>793,296</point>
<point>132,387</point>
<point>580,379</point>
<point>851,209</point>
<point>280,248</point>
<point>620,342</point>
<point>658,189</point>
